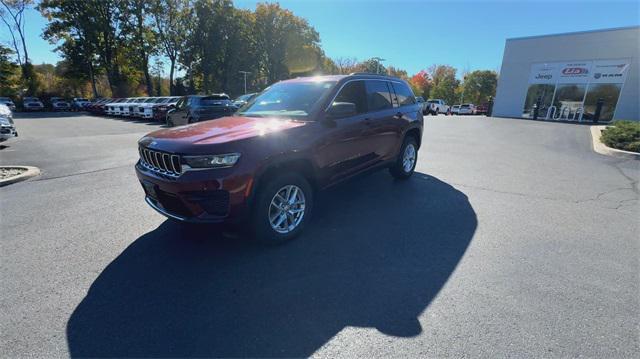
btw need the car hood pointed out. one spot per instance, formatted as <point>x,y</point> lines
<point>222,130</point>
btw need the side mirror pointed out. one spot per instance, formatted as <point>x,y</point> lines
<point>342,109</point>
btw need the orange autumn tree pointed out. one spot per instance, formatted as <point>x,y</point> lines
<point>421,84</point>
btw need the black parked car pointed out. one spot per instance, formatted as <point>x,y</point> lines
<point>192,109</point>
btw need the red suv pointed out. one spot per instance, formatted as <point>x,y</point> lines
<point>265,163</point>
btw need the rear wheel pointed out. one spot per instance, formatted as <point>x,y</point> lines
<point>407,159</point>
<point>283,207</point>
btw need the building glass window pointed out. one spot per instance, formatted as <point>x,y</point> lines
<point>568,100</point>
<point>609,94</point>
<point>535,92</point>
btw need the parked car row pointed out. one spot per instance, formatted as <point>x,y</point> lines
<point>172,110</point>
<point>53,104</point>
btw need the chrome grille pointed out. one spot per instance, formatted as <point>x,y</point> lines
<point>161,162</point>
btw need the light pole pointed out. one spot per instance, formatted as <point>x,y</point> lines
<point>245,73</point>
<point>379,61</point>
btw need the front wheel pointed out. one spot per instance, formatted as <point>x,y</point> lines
<point>282,209</point>
<point>407,159</point>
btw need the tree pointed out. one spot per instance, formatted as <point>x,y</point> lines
<point>9,73</point>
<point>444,83</point>
<point>12,14</point>
<point>396,72</point>
<point>372,65</point>
<point>346,65</point>
<point>286,43</point>
<point>99,25</point>
<point>142,34</point>
<point>478,86</point>
<point>171,18</point>
<point>421,84</point>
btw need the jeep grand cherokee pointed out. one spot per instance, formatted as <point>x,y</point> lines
<point>264,163</point>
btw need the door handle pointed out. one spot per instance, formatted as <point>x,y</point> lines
<point>398,115</point>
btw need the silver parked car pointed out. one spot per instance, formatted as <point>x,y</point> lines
<point>7,127</point>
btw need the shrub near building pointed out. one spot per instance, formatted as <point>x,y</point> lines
<point>623,135</point>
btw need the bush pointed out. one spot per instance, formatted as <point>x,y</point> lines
<point>623,135</point>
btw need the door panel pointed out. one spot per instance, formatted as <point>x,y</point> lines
<point>383,119</point>
<point>346,147</point>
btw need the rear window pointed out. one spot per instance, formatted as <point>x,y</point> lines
<point>404,94</point>
<point>213,100</point>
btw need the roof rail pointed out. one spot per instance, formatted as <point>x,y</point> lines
<point>367,73</point>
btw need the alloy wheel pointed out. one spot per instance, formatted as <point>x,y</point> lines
<point>287,209</point>
<point>409,158</point>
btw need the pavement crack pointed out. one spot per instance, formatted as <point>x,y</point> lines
<point>80,173</point>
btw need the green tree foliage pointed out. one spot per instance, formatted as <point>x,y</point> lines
<point>478,86</point>
<point>444,83</point>
<point>286,44</point>
<point>9,73</point>
<point>171,18</point>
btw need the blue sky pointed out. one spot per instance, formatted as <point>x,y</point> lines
<point>416,34</point>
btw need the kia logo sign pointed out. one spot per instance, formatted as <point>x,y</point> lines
<point>574,71</point>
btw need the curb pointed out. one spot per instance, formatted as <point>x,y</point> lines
<point>31,172</point>
<point>601,148</point>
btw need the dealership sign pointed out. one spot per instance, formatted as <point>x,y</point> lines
<point>543,74</point>
<point>579,72</point>
<point>609,71</point>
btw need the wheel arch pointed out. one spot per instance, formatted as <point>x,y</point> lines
<point>416,133</point>
<point>302,166</point>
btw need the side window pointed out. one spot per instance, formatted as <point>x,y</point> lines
<point>355,93</point>
<point>378,96</point>
<point>405,96</point>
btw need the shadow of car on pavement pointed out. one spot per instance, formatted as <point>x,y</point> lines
<point>375,254</point>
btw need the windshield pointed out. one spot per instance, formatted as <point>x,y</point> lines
<point>244,97</point>
<point>291,99</point>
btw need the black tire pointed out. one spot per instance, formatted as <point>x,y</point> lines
<point>398,170</point>
<point>262,230</point>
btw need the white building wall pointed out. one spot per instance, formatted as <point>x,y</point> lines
<point>521,53</point>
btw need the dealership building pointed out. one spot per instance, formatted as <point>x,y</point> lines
<point>569,76</point>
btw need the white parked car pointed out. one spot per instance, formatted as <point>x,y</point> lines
<point>127,108</point>
<point>455,109</point>
<point>437,106</point>
<point>32,104</point>
<point>467,109</point>
<point>79,103</point>
<point>146,109</point>
<point>7,128</point>
<point>116,108</point>
<point>109,107</point>
<point>8,102</point>
<point>59,104</point>
<point>147,103</point>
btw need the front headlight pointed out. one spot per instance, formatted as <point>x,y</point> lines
<point>212,161</point>
<point>6,120</point>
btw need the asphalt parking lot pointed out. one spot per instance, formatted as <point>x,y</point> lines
<point>512,239</point>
